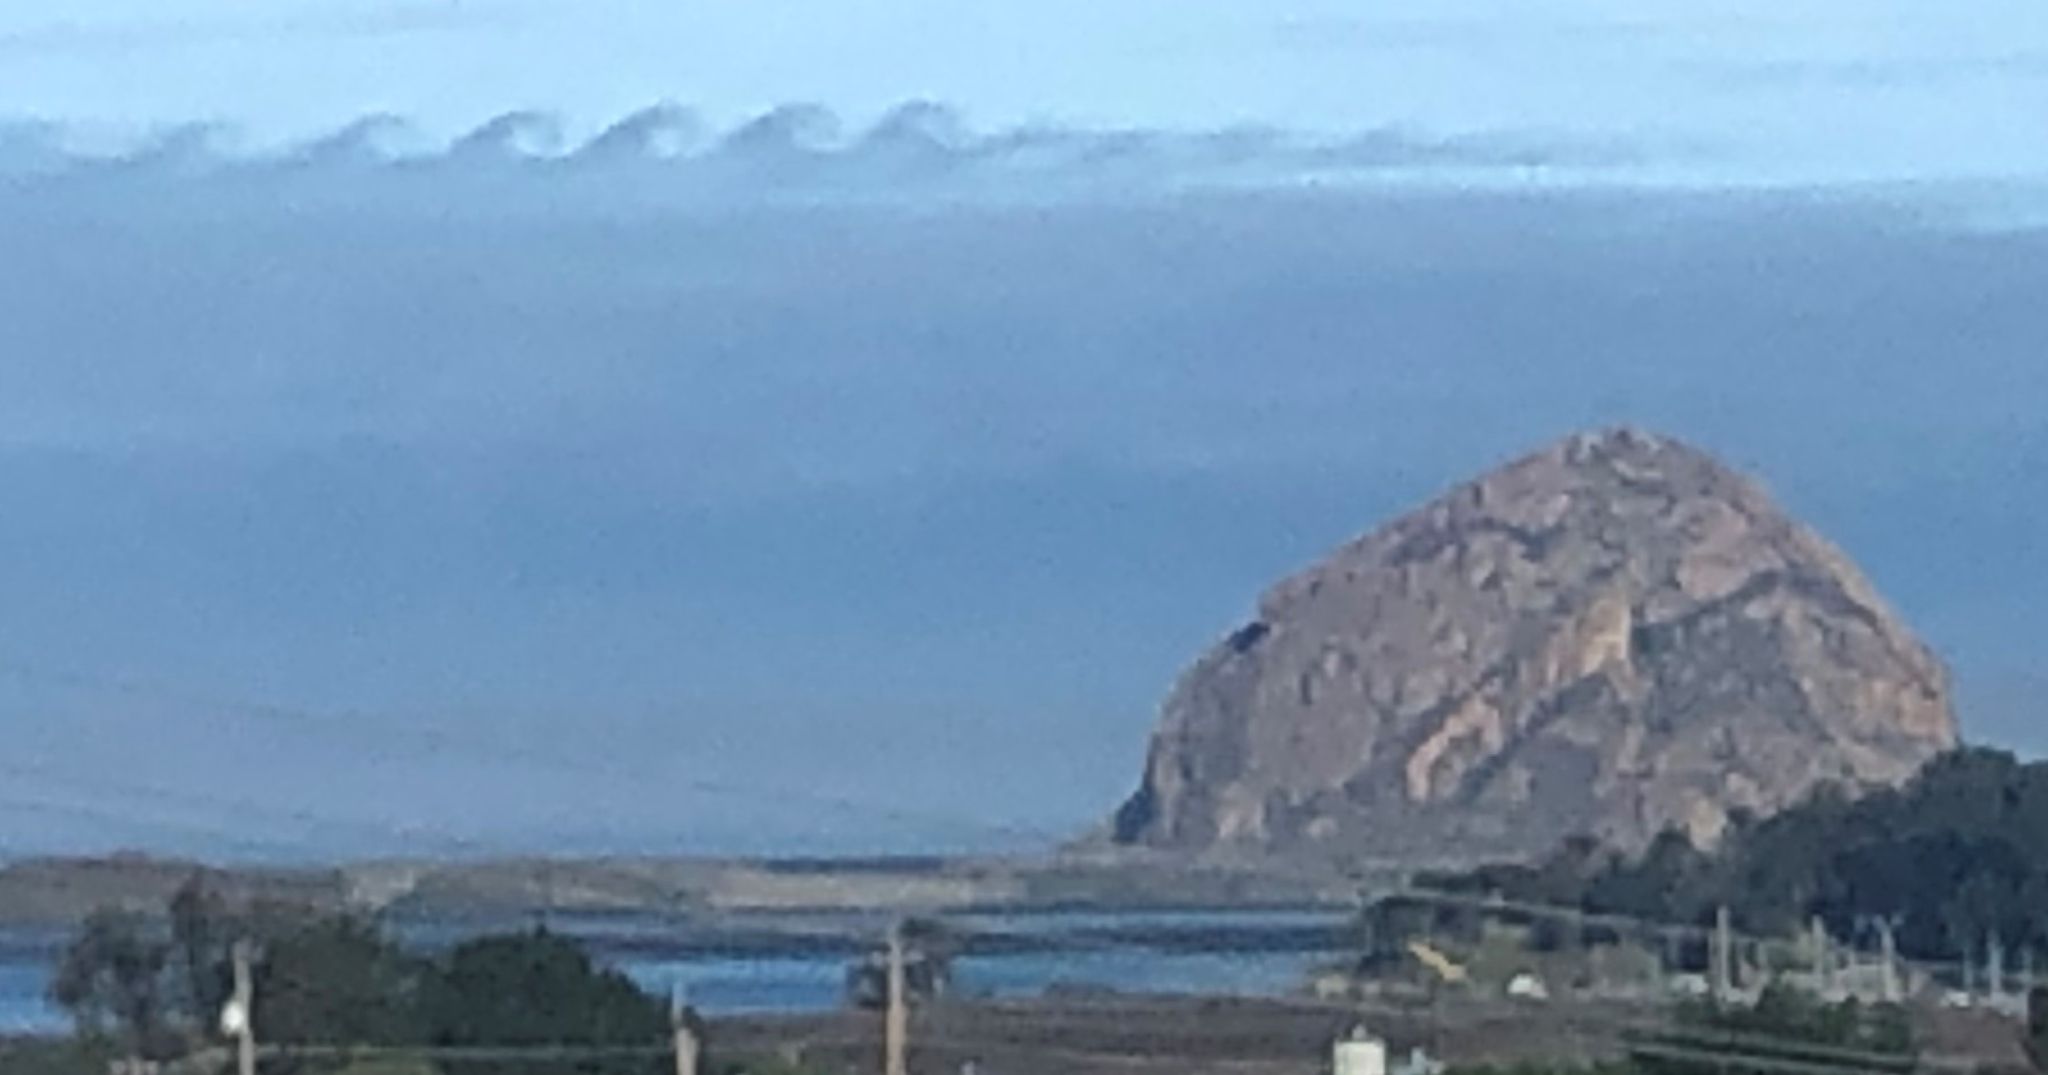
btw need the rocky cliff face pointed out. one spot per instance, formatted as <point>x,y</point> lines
<point>1613,636</point>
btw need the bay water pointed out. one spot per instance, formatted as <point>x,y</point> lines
<point>1262,953</point>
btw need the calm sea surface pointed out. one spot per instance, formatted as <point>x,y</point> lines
<point>725,978</point>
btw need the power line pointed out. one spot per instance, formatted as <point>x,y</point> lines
<point>1740,1041</point>
<point>76,811</point>
<point>1782,1055</point>
<point>1621,923</point>
<point>1118,1059</point>
<point>487,748</point>
<point>1079,939</point>
<point>237,808</point>
<point>1790,1066</point>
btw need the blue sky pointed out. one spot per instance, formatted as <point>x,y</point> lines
<point>862,476</point>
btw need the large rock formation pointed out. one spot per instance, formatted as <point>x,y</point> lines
<point>1611,637</point>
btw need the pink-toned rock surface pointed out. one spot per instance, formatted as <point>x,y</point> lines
<point>1612,636</point>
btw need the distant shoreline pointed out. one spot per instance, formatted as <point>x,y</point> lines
<point>58,892</point>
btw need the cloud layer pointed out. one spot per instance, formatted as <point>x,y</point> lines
<point>913,151</point>
<point>1737,91</point>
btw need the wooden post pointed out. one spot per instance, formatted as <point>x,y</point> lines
<point>1724,957</point>
<point>1823,959</point>
<point>687,1046</point>
<point>1994,969</point>
<point>1889,972</point>
<point>896,1024</point>
<point>1663,942</point>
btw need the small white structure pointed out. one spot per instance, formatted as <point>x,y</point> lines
<point>1419,1063</point>
<point>1526,986</point>
<point>1359,1054</point>
<point>1332,986</point>
<point>1691,985</point>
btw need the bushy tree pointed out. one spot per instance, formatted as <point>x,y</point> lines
<point>202,936</point>
<point>338,980</point>
<point>154,987</point>
<point>541,989</point>
<point>33,1057</point>
<point>112,981</point>
<point>1956,857</point>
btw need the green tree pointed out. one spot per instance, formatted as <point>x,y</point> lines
<point>1957,856</point>
<point>112,981</point>
<point>34,1057</point>
<point>540,989</point>
<point>338,981</point>
<point>202,934</point>
<point>1667,883</point>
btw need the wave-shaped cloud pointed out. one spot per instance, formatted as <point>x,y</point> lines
<point>805,146</point>
<point>660,133</point>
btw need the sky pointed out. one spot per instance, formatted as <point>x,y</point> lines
<point>483,426</point>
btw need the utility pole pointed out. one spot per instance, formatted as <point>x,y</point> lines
<point>1822,958</point>
<point>1724,956</point>
<point>1667,960</point>
<point>543,916</point>
<point>687,1045</point>
<point>896,1021</point>
<point>1889,973</point>
<point>1994,968</point>
<point>240,1018</point>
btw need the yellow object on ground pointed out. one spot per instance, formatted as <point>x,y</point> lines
<point>1437,962</point>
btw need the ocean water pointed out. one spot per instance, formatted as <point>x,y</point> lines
<point>726,983</point>
<point>24,1007</point>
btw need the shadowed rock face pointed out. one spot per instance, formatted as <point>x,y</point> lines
<point>1611,637</point>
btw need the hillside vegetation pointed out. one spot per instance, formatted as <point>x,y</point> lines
<point>1955,858</point>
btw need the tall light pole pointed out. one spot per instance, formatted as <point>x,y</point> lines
<point>238,1019</point>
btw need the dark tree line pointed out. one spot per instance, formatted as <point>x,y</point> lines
<point>154,987</point>
<point>1956,857</point>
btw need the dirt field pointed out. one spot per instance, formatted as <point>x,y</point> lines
<point>1139,1036</point>
<point>1085,1036</point>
